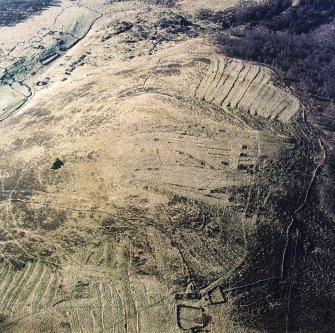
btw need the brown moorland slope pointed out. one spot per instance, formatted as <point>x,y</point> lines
<point>184,177</point>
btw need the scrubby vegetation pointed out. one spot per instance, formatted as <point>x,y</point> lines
<point>299,40</point>
<point>306,59</point>
<point>165,3</point>
<point>276,15</point>
<point>168,3</point>
<point>14,11</point>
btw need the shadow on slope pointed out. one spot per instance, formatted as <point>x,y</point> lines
<point>16,11</point>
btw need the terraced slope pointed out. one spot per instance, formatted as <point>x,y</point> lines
<point>241,85</point>
<point>86,297</point>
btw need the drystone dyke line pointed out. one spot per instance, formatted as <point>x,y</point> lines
<point>74,30</point>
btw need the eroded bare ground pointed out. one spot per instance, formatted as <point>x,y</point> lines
<point>188,196</point>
